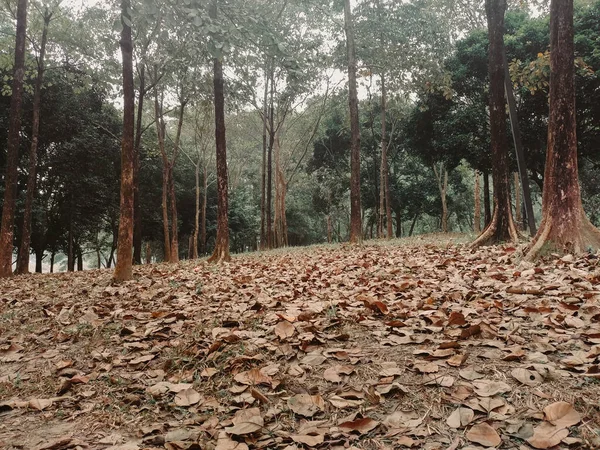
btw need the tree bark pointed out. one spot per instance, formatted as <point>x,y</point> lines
<point>137,206</point>
<point>204,206</point>
<point>268,213</point>
<point>502,227</point>
<point>52,255</point>
<point>564,226</point>
<point>148,253</point>
<point>12,148</point>
<point>39,258</point>
<point>221,251</point>
<point>518,217</point>
<point>194,244</point>
<point>477,214</point>
<point>412,225</point>
<point>355,208</point>
<point>442,180</point>
<point>487,208</point>
<point>398,223</point>
<point>173,198</point>
<point>263,187</point>
<point>23,256</point>
<point>279,225</point>
<point>160,132</point>
<point>383,167</point>
<point>123,267</point>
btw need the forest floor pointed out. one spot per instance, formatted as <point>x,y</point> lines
<point>419,343</point>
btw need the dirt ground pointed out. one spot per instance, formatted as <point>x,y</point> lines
<point>419,343</point>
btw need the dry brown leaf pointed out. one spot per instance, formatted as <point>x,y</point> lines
<point>431,367</point>
<point>187,397</point>
<point>224,442</point>
<point>527,377</point>
<point>334,373</point>
<point>40,403</point>
<point>562,415</point>
<point>363,426</point>
<point>489,388</point>
<point>312,440</point>
<point>306,405</point>
<point>484,434</point>
<point>460,417</point>
<point>284,329</point>
<point>246,421</point>
<point>253,377</point>
<point>547,435</point>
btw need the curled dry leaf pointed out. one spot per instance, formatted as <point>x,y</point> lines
<point>562,415</point>
<point>224,442</point>
<point>40,403</point>
<point>312,440</point>
<point>527,377</point>
<point>246,421</point>
<point>334,373</point>
<point>547,435</point>
<point>484,434</point>
<point>460,417</point>
<point>489,388</point>
<point>363,426</point>
<point>284,329</point>
<point>306,405</point>
<point>427,367</point>
<point>253,377</point>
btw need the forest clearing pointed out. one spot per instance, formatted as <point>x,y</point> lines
<point>419,343</point>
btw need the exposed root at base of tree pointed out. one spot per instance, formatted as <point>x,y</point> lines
<point>220,255</point>
<point>579,240</point>
<point>494,234</point>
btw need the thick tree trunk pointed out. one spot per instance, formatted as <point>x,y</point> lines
<point>123,267</point>
<point>383,167</point>
<point>80,259</point>
<point>12,148</point>
<point>173,198</point>
<point>441,176</point>
<point>263,180</point>
<point>279,232</point>
<point>137,206</point>
<point>221,251</point>
<point>518,216</point>
<point>39,258</point>
<point>355,209</point>
<point>23,257</point>
<point>148,253</point>
<point>52,255</point>
<point>477,214</point>
<point>564,226</point>
<point>398,223</point>
<point>487,208</point>
<point>502,227</point>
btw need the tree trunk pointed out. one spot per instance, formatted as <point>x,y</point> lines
<point>52,255</point>
<point>12,148</point>
<point>137,206</point>
<point>269,231</point>
<point>355,209</point>
<point>383,167</point>
<point>487,208</point>
<point>80,259</point>
<point>263,199</point>
<point>160,132</point>
<point>148,253</point>
<point>221,251</point>
<point>173,198</point>
<point>204,206</point>
<point>194,242</point>
<point>329,229</point>
<point>477,214</point>
<point>564,225</point>
<point>442,180</point>
<point>39,258</point>
<point>518,217</point>
<point>70,254</point>
<point>502,227</point>
<point>23,257</point>
<point>278,223</point>
<point>412,225</point>
<point>398,223</point>
<point>123,267</point>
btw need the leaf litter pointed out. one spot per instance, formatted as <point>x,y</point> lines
<point>418,344</point>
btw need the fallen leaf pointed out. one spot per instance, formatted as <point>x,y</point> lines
<point>547,435</point>
<point>562,415</point>
<point>484,434</point>
<point>361,425</point>
<point>460,417</point>
<point>246,421</point>
<point>306,405</point>
<point>187,397</point>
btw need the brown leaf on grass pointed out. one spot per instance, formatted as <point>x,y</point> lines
<point>142,359</point>
<point>253,377</point>
<point>284,329</point>
<point>527,377</point>
<point>473,330</point>
<point>457,318</point>
<point>363,426</point>
<point>484,434</point>
<point>40,403</point>
<point>224,442</point>
<point>489,388</point>
<point>460,417</point>
<point>547,435</point>
<point>457,360</point>
<point>306,405</point>
<point>187,397</point>
<point>376,306</point>
<point>246,421</point>
<point>312,440</point>
<point>431,367</point>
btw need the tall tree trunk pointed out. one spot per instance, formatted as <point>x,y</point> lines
<point>39,258</point>
<point>80,259</point>
<point>70,250</point>
<point>52,255</point>
<point>270,160</point>
<point>137,206</point>
<point>173,198</point>
<point>487,208</point>
<point>383,169</point>
<point>221,251</point>
<point>12,148</point>
<point>23,257</point>
<point>148,253</point>
<point>355,209</point>
<point>329,229</point>
<point>518,217</point>
<point>441,176</point>
<point>263,187</point>
<point>194,244</point>
<point>477,214</point>
<point>279,219</point>
<point>123,267</point>
<point>160,132</point>
<point>502,227</point>
<point>398,223</point>
<point>204,206</point>
<point>564,225</point>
